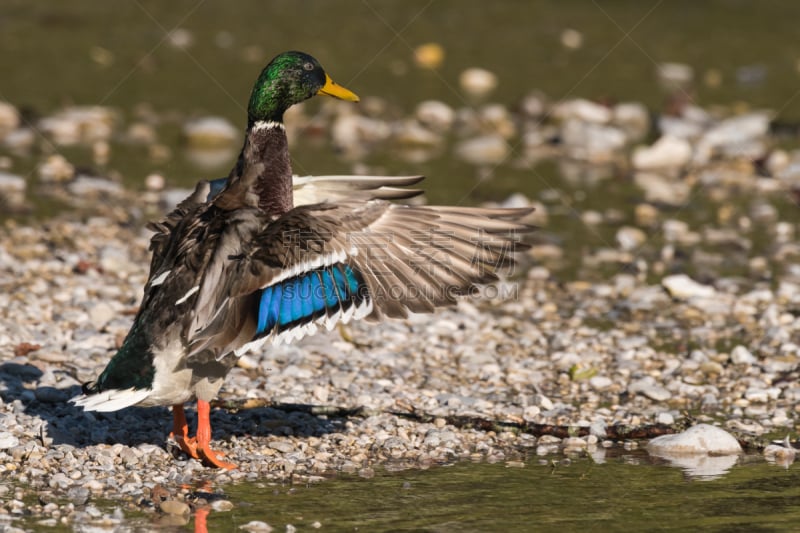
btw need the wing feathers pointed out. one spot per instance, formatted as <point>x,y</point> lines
<point>318,189</point>
<point>321,264</point>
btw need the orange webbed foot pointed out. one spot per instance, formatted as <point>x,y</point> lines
<point>213,459</point>
<point>198,447</point>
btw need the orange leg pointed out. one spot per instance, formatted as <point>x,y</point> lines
<point>197,447</point>
<point>209,456</point>
<point>180,432</point>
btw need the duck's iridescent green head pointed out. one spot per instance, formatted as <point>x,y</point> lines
<point>288,79</point>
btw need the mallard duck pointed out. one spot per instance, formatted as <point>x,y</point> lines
<point>262,257</point>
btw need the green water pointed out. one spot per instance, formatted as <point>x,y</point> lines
<point>613,496</point>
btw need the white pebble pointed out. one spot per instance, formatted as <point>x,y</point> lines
<point>667,151</point>
<point>477,82</point>
<point>742,356</point>
<point>683,287</point>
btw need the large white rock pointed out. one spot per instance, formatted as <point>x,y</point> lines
<point>702,439</point>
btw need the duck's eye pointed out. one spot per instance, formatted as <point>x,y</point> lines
<point>308,66</point>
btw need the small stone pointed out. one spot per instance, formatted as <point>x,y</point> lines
<point>735,132</point>
<point>435,115</point>
<point>574,443</point>
<point>646,215</point>
<point>757,395</point>
<point>665,418</point>
<point>101,314</point>
<point>666,152</point>
<point>55,169</point>
<point>600,382</point>
<point>777,161</point>
<point>20,141</point>
<point>742,356</point>
<point>571,39</point>
<point>141,133</point>
<point>180,38</point>
<point>783,455</point>
<point>429,55</point>
<point>683,287</point>
<point>592,142</point>
<point>209,132</point>
<point>410,133</point>
<point>174,507</point>
<point>154,182</point>
<point>675,75</point>
<point>11,183</point>
<point>91,186</point>
<point>659,189</point>
<point>633,118</point>
<point>647,388</point>
<point>7,440</point>
<point>94,485</point>
<point>221,505</point>
<point>582,111</point>
<point>630,238</point>
<point>78,495</point>
<point>80,124</point>
<point>534,105</point>
<point>485,150</point>
<point>9,119</point>
<point>281,446</point>
<point>477,82</point>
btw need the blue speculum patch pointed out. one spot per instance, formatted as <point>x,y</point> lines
<point>298,300</point>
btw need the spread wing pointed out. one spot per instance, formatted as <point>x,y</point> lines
<point>320,264</point>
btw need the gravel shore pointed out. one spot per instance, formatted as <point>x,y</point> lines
<point>630,350</point>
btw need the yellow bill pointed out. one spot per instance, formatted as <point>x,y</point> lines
<point>331,88</point>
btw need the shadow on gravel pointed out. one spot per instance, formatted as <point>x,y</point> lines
<point>64,423</point>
